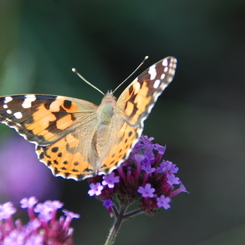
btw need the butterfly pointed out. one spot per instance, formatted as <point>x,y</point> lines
<point>77,139</point>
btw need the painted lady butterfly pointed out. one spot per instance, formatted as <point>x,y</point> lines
<point>77,139</point>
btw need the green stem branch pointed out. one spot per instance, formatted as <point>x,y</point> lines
<point>116,226</point>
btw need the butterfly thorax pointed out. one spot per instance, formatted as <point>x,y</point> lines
<point>105,114</point>
<point>106,109</point>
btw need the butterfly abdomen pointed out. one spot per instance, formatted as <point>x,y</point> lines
<point>105,114</point>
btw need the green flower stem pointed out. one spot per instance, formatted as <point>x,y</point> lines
<point>119,218</point>
<point>133,213</point>
<point>116,226</point>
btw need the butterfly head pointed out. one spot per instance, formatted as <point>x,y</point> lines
<point>109,98</point>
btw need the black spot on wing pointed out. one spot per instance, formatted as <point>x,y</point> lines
<point>55,149</point>
<point>56,171</point>
<point>41,156</point>
<point>76,163</point>
<point>80,177</point>
<point>67,104</point>
<point>67,175</point>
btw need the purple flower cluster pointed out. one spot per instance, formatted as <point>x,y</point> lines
<point>144,176</point>
<point>42,229</point>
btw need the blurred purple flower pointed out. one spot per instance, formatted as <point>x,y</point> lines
<point>96,189</point>
<point>163,202</point>
<point>172,179</point>
<point>108,203</point>
<point>37,231</point>
<point>28,202</point>
<point>21,174</point>
<point>110,180</point>
<point>146,191</point>
<point>6,210</point>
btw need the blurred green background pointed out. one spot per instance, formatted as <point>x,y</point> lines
<point>200,116</point>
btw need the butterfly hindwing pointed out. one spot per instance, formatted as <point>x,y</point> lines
<point>65,158</point>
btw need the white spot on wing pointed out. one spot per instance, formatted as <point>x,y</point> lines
<point>165,69</point>
<point>165,62</point>
<point>156,83</point>
<point>163,76</point>
<point>163,86</point>
<point>5,106</point>
<point>9,111</point>
<point>18,115</point>
<point>8,99</point>
<point>152,72</point>
<point>28,99</point>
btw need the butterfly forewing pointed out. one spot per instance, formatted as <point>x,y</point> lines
<point>140,96</point>
<point>77,139</point>
<point>41,119</point>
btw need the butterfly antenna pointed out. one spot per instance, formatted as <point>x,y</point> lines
<point>146,57</point>
<point>86,81</point>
